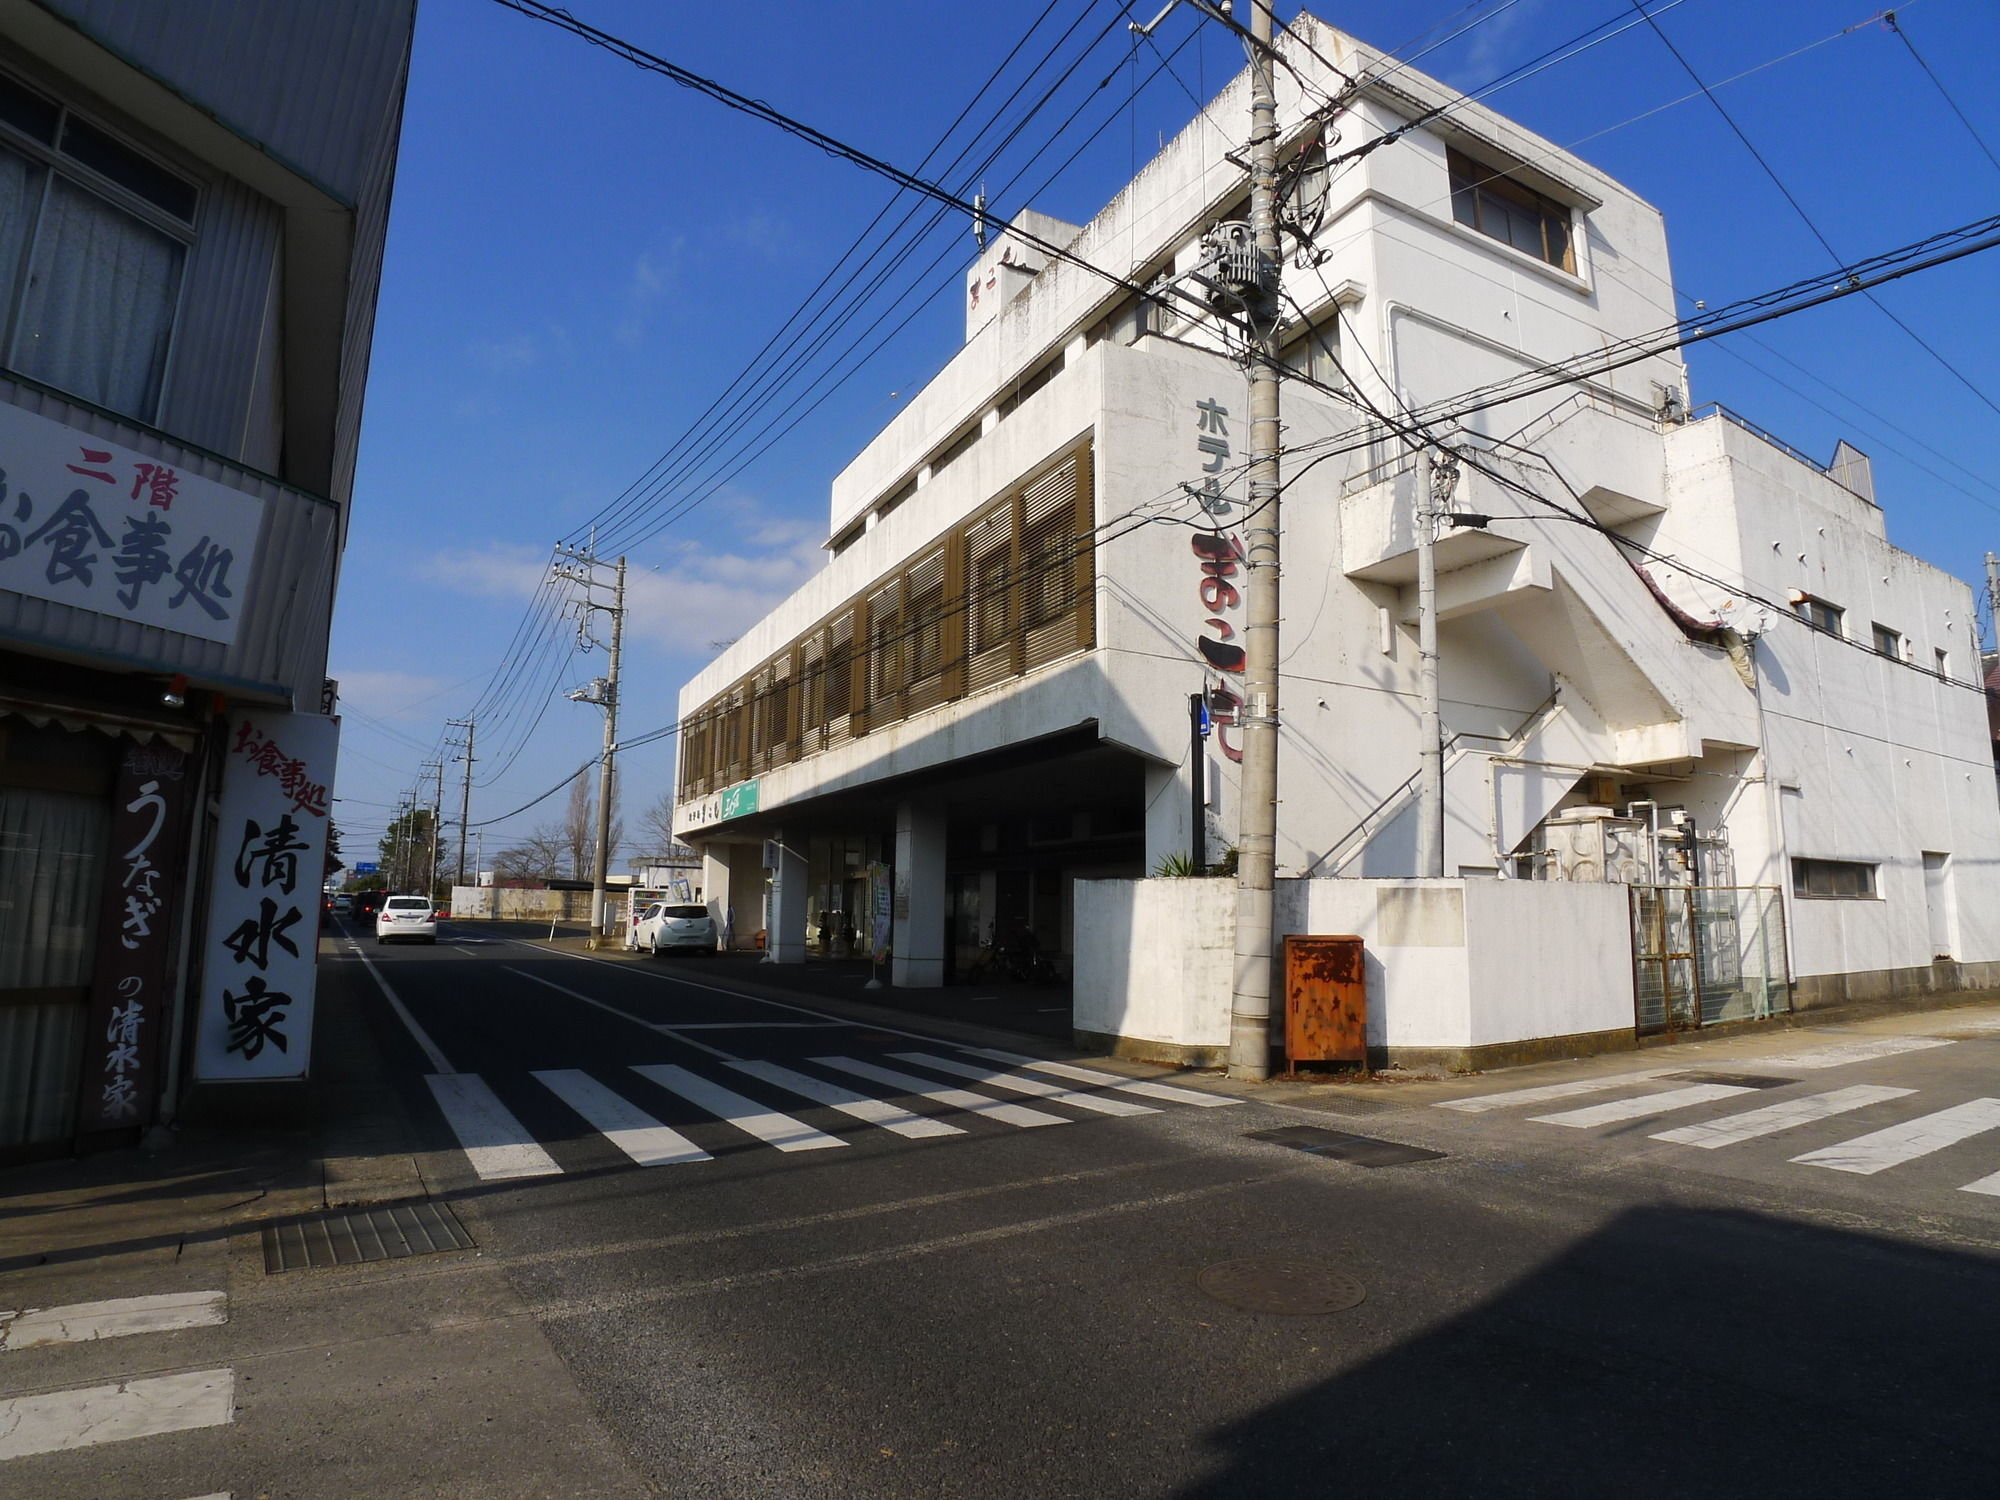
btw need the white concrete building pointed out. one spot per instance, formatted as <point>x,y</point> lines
<point>1033,568</point>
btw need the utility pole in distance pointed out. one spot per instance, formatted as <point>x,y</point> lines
<point>1257,843</point>
<point>436,767</point>
<point>469,724</point>
<point>580,566</point>
<point>1430,734</point>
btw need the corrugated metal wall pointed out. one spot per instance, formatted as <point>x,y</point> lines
<point>342,65</point>
<point>213,363</point>
<point>280,645</point>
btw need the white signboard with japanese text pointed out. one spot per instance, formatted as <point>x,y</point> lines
<point>259,960</point>
<point>87,523</point>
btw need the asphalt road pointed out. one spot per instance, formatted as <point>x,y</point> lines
<point>806,1302</point>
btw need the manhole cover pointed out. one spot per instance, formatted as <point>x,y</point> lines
<point>351,1238</point>
<point>1297,1288</point>
<point>1341,1145</point>
<point>1734,1080</point>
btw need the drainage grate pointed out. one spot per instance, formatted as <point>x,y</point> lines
<point>1734,1080</point>
<point>353,1236</point>
<point>1297,1288</point>
<point>1357,1150</point>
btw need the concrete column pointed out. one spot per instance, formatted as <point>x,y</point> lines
<point>1167,812</point>
<point>785,940</point>
<point>736,896</point>
<point>918,942</point>
<point>715,882</point>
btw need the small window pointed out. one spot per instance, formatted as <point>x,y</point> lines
<point>1819,614</point>
<point>1888,643</point>
<point>1943,659</point>
<point>1315,354</point>
<point>1488,200</point>
<point>896,497</point>
<point>408,903</point>
<point>955,448</point>
<point>685,912</point>
<point>1837,879</point>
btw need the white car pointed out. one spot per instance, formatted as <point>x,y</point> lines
<point>670,927</point>
<point>406,917</point>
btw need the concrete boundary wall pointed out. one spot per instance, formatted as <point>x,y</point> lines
<point>508,904</point>
<point>1552,976</point>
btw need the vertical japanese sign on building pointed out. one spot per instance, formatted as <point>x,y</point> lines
<point>258,965</point>
<point>121,1056</point>
<point>1220,557</point>
<point>88,523</point>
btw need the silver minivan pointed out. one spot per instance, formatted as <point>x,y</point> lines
<point>673,927</point>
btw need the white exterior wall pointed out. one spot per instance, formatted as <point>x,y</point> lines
<point>1157,973</point>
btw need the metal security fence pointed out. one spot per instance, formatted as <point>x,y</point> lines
<point>1008,591</point>
<point>1706,954</point>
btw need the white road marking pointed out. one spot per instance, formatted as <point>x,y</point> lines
<point>965,1099</point>
<point>1479,1104</point>
<point>430,1048</point>
<point>1784,1115</point>
<point>1882,1149</point>
<point>1641,1105</point>
<point>623,1123</point>
<point>61,1420</point>
<point>1840,1054</point>
<point>1105,1080</point>
<point>746,1115</point>
<point>1990,1023</point>
<point>874,1111</point>
<point>1033,1087</point>
<point>82,1321</point>
<point>751,1025</point>
<point>498,1145</point>
<point>1987,1185</point>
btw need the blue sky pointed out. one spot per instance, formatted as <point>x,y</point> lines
<point>582,256</point>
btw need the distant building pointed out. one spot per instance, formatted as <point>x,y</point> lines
<point>1036,564</point>
<point>193,198</point>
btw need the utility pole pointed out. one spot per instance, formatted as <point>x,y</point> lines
<point>1430,730</point>
<point>1993,599</point>
<point>469,724</point>
<point>436,768</point>
<point>581,567</point>
<point>1257,843</point>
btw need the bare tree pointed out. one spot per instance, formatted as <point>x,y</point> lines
<point>656,825</point>
<point>579,827</point>
<point>536,857</point>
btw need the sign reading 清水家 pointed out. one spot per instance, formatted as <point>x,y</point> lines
<point>87,523</point>
<point>263,907</point>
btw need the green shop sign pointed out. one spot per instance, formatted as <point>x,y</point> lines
<point>740,800</point>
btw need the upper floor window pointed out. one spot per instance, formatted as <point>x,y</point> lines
<point>93,235</point>
<point>1315,354</point>
<point>1488,200</point>
<point>1889,642</point>
<point>1819,614</point>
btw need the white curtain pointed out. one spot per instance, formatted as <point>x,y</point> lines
<point>51,869</point>
<point>99,303</point>
<point>20,196</point>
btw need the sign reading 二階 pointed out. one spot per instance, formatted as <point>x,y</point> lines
<point>87,523</point>
<point>263,922</point>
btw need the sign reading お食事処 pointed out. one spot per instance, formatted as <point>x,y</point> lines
<point>258,966</point>
<point>87,523</point>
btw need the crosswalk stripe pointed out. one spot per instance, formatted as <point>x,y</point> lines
<point>641,1137</point>
<point>1641,1105</point>
<point>1479,1104</point>
<point>1987,1185</point>
<point>80,1322</point>
<point>1784,1115</point>
<point>875,1111</point>
<point>1033,1087</point>
<point>1840,1054</point>
<point>979,1104</point>
<point>1882,1149</point>
<point>61,1420</point>
<point>746,1115</point>
<point>1989,1023</point>
<point>1106,1080</point>
<point>498,1145</point>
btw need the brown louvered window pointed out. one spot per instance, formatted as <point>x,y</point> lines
<point>1008,591</point>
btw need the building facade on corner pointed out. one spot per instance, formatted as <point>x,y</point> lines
<point>1675,651</point>
<point>191,242</point>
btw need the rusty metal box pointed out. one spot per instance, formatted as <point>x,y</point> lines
<point>1326,1000</point>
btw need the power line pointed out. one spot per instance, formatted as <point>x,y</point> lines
<point>1798,208</point>
<point>1895,25</point>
